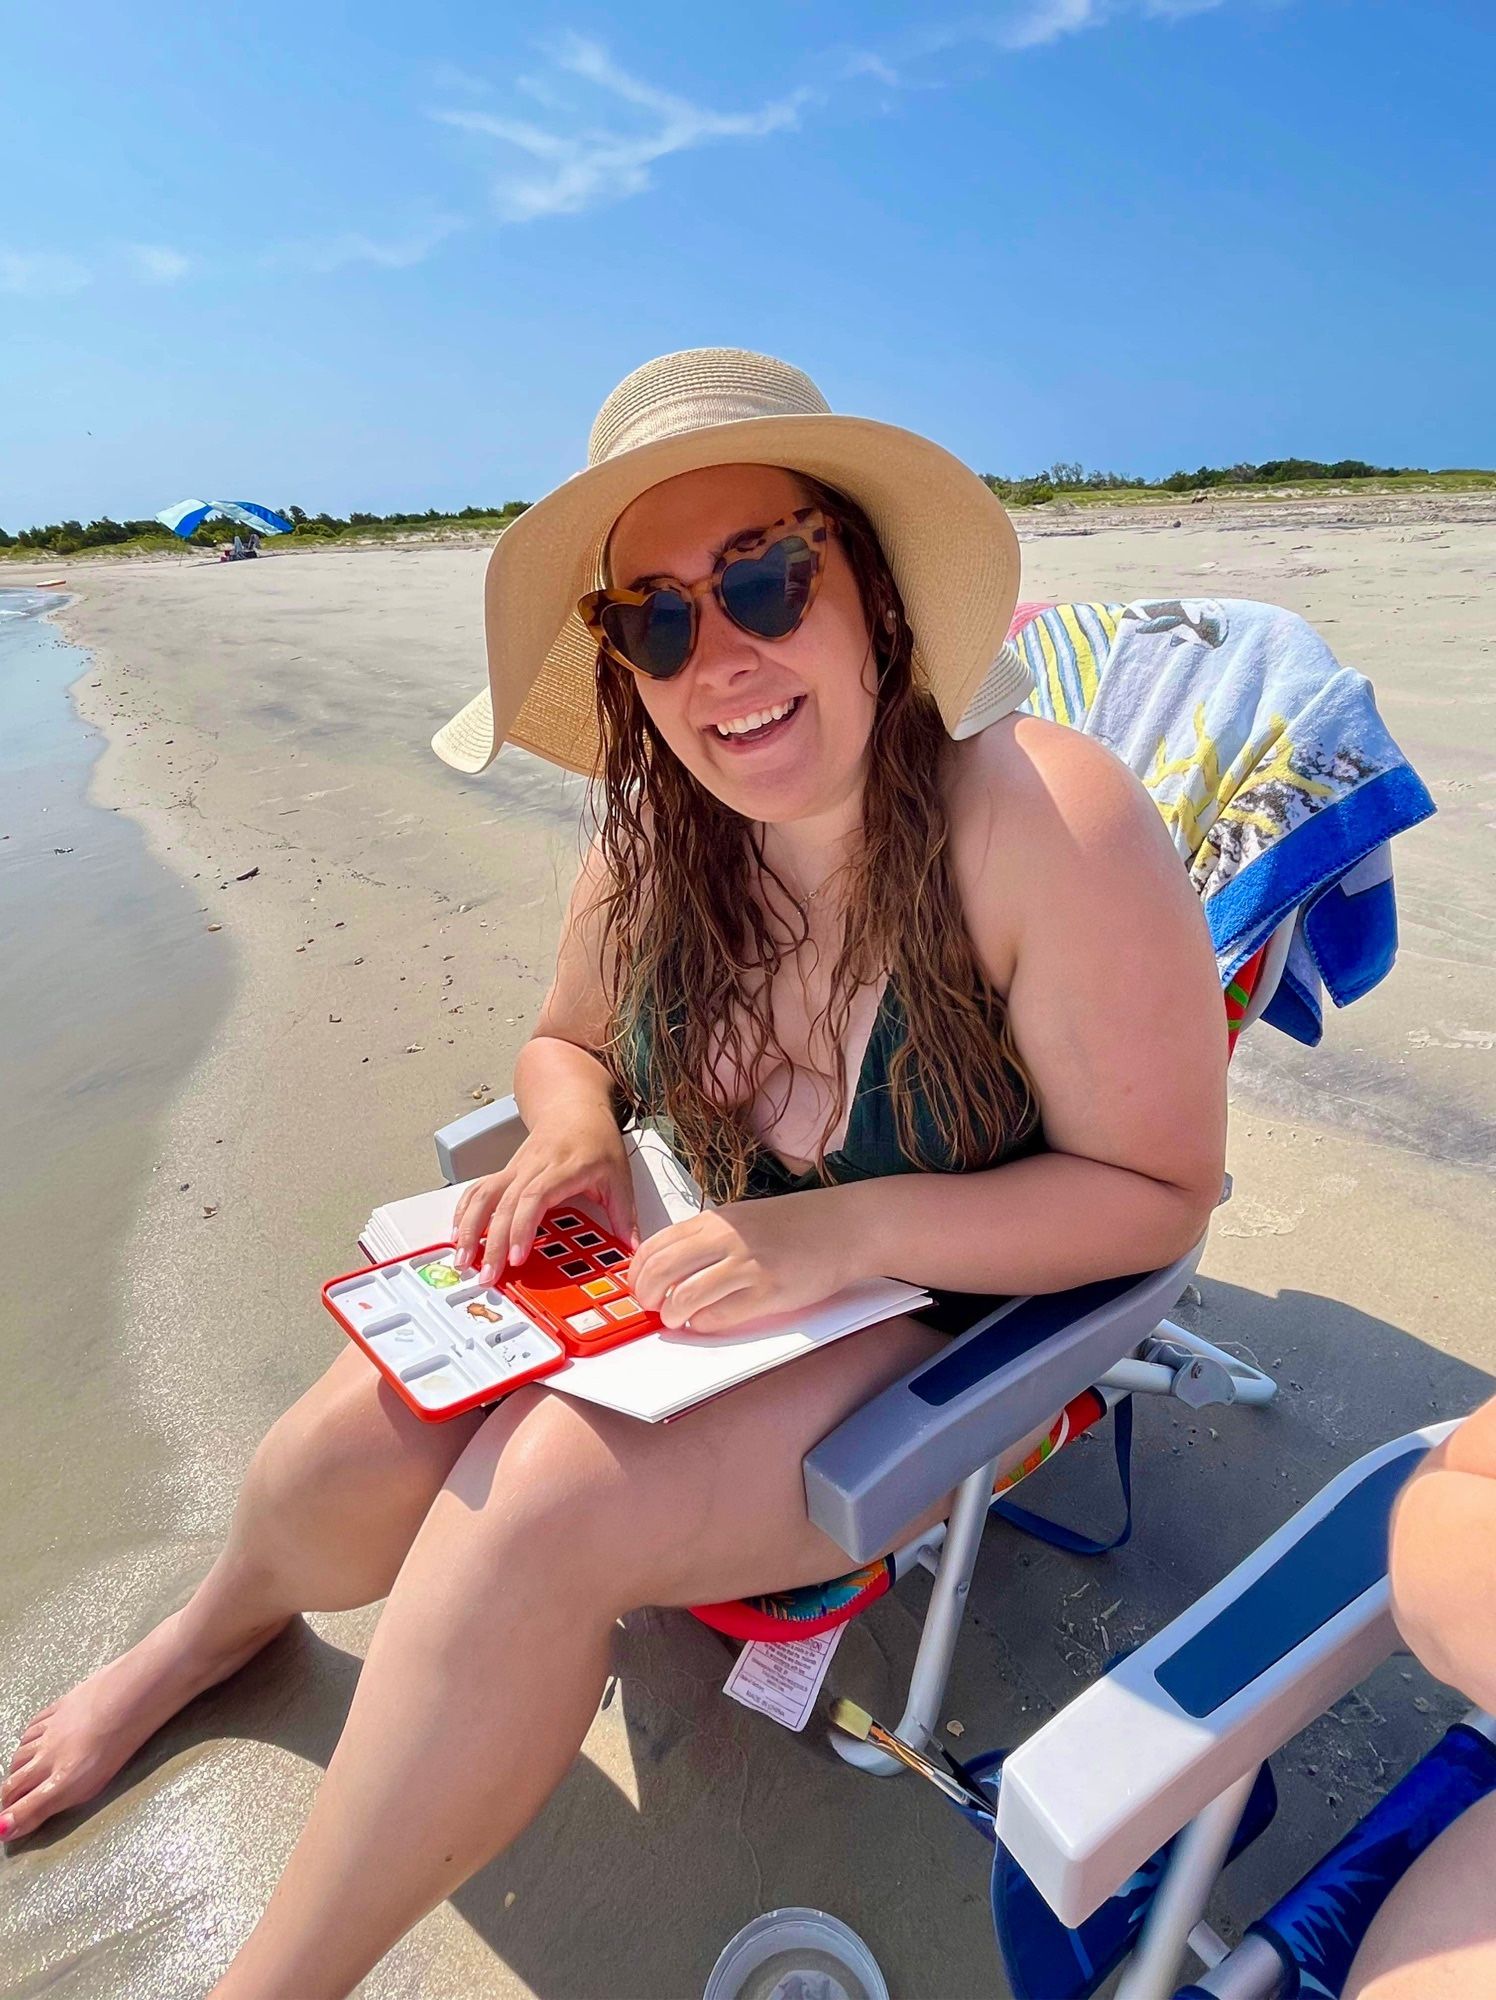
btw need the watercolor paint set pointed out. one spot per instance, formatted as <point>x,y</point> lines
<point>447,1343</point>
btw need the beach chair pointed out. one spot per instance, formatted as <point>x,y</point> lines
<point>1111,1824</point>
<point>1083,1352</point>
<point>1282,790</point>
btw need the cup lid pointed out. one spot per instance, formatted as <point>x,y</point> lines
<point>802,1954</point>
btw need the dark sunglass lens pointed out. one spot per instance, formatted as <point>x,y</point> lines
<point>654,636</point>
<point>769,594</point>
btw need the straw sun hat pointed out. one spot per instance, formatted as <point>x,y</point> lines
<point>948,541</point>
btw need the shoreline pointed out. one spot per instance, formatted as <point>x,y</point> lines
<point>383,965</point>
<point>100,1046</point>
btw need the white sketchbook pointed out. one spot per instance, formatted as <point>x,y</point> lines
<point>661,1374</point>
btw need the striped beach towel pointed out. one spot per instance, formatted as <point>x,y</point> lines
<point>1280,784</point>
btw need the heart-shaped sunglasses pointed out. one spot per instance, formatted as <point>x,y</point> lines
<point>766,581</point>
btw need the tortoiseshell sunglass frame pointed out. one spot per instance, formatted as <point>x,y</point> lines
<point>812,524</point>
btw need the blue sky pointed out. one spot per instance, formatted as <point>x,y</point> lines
<point>381,256</point>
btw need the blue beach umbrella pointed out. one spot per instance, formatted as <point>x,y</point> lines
<point>188,515</point>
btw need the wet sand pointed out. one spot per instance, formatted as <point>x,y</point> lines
<point>378,970</point>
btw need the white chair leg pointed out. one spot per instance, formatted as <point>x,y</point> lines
<point>937,1643</point>
<point>1253,1971</point>
<point>1179,1902</point>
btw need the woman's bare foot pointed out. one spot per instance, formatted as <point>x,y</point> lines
<point>71,1750</point>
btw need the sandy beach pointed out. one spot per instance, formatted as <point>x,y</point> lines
<point>348,942</point>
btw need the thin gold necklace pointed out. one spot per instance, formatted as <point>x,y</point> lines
<point>802,903</point>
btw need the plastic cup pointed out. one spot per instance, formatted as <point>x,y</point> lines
<point>796,1955</point>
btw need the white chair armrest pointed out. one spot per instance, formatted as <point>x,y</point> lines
<point>1125,1765</point>
<point>481,1141</point>
<point>1019,1364</point>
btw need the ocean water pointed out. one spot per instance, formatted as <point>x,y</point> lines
<point>35,724</point>
<point>109,988</point>
<point>99,935</point>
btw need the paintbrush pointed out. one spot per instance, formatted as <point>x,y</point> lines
<point>846,1715</point>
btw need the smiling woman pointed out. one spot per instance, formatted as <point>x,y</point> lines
<point>853,929</point>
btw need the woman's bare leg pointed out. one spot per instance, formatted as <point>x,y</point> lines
<point>1436,1936</point>
<point>490,1657</point>
<point>330,1505</point>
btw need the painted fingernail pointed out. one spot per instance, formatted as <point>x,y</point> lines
<point>7,1825</point>
<point>487,1274</point>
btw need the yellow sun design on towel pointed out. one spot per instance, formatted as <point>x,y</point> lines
<point>1205,791</point>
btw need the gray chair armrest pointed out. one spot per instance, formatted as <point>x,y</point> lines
<point>1141,1751</point>
<point>481,1141</point>
<point>1013,1370</point>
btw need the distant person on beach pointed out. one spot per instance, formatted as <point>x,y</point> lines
<point>905,975</point>
<point>1435,1938</point>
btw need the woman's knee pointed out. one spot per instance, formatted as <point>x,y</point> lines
<point>561,1482</point>
<point>536,1456</point>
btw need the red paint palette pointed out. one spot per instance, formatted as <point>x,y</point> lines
<point>447,1343</point>
<point>573,1283</point>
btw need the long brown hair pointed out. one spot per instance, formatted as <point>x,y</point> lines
<point>691,956</point>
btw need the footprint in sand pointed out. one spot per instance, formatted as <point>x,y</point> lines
<point>1443,1036</point>
<point>1250,1215</point>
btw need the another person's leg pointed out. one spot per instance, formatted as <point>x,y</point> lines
<point>331,1503</point>
<point>1435,1938</point>
<point>491,1655</point>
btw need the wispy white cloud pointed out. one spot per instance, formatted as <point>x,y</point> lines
<point>397,251</point>
<point>866,62</point>
<point>541,92</point>
<point>1010,28</point>
<point>581,165</point>
<point>157,263</point>
<point>42,274</point>
<point>1041,21</point>
<point>1038,22</point>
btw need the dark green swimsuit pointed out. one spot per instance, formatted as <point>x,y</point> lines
<point>872,1147</point>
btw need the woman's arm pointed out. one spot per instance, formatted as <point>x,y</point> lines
<point>1079,905</point>
<point>556,1074</point>
<point>1444,1560</point>
<point>574,1147</point>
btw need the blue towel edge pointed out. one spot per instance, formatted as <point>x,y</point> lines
<point>1306,861</point>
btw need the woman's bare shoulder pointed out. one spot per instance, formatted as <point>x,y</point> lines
<point>1042,791</point>
<point>1023,765</point>
<point>1034,805</point>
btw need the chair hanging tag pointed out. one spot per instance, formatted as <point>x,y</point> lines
<point>781,1678</point>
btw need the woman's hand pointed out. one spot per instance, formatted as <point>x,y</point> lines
<point>580,1159</point>
<point>730,1265</point>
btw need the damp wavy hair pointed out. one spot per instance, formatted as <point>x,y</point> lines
<point>690,955</point>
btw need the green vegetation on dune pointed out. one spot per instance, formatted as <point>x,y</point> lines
<point>66,538</point>
<point>1067,482</point>
<point>1071,482</point>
